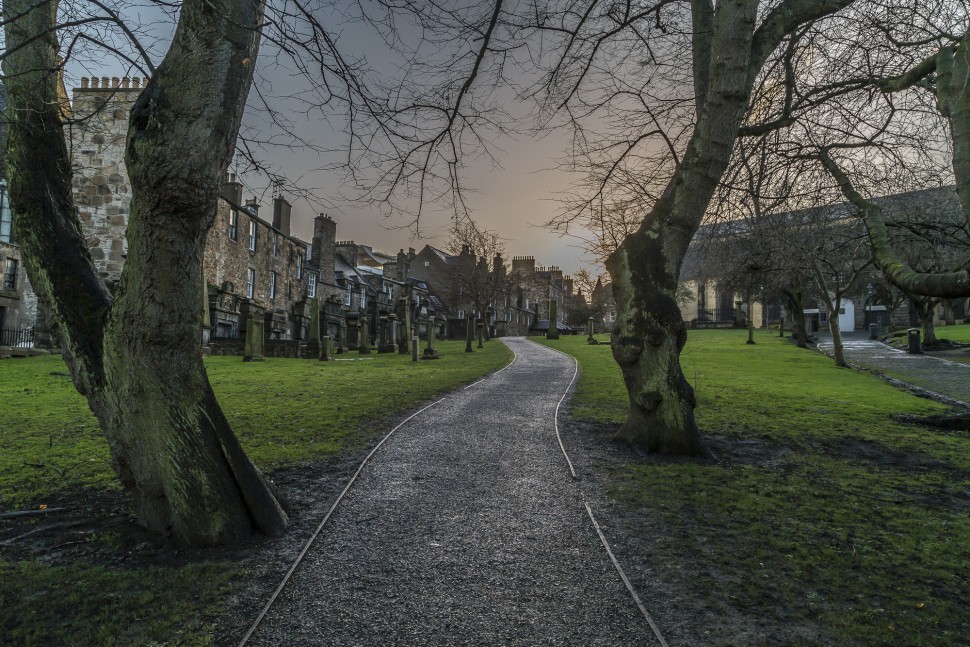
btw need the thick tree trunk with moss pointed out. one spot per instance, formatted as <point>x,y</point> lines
<point>138,358</point>
<point>649,332</point>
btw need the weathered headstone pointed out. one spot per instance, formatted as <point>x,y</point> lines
<point>469,332</point>
<point>313,347</point>
<point>326,348</point>
<point>342,346</point>
<point>431,352</point>
<point>415,342</point>
<point>481,333</point>
<point>404,326</point>
<point>388,337</point>
<point>254,340</point>
<point>590,339</point>
<point>363,336</point>
<point>553,331</point>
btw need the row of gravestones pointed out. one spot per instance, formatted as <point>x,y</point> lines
<point>322,348</point>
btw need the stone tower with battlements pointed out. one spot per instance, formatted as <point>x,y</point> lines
<point>98,133</point>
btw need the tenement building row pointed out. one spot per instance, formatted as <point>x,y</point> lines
<point>256,270</point>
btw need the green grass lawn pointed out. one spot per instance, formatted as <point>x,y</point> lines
<point>959,333</point>
<point>827,510</point>
<point>286,412</point>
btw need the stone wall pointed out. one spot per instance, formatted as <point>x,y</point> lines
<point>227,261</point>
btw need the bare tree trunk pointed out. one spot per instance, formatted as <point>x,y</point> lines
<point>924,311</point>
<point>838,352</point>
<point>649,332</point>
<point>837,349</point>
<point>796,308</point>
<point>138,359</point>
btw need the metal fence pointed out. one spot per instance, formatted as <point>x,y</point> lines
<point>17,338</point>
<point>717,314</point>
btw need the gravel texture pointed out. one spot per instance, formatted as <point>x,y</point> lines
<point>465,529</point>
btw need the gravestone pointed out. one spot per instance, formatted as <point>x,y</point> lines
<point>342,342</point>
<point>431,352</point>
<point>388,334</point>
<point>469,332</point>
<point>326,349</point>
<point>590,339</point>
<point>404,326</point>
<point>313,346</point>
<point>363,336</point>
<point>481,333</point>
<point>253,351</point>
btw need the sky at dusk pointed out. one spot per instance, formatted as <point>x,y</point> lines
<point>514,200</point>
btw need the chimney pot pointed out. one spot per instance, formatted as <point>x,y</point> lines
<point>115,82</point>
<point>104,82</point>
<point>84,81</point>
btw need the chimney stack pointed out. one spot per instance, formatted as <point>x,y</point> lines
<point>281,217</point>
<point>232,190</point>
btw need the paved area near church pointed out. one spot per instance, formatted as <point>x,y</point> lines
<point>950,379</point>
<point>465,529</point>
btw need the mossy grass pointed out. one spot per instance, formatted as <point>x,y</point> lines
<point>286,412</point>
<point>823,509</point>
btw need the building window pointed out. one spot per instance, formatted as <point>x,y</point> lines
<point>10,275</point>
<point>349,297</point>
<point>276,245</point>
<point>252,235</point>
<point>250,282</point>
<point>299,266</point>
<point>233,223</point>
<point>272,285</point>
<point>363,297</point>
<point>311,284</point>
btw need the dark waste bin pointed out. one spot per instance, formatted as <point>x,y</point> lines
<point>913,339</point>
<point>873,331</point>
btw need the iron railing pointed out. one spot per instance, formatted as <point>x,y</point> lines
<point>17,338</point>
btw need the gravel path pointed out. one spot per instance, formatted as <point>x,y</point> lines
<point>465,529</point>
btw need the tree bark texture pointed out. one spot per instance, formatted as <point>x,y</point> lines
<point>138,359</point>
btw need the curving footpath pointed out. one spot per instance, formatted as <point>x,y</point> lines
<point>949,381</point>
<point>465,528</point>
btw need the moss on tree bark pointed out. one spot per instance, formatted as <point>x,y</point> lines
<point>137,356</point>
